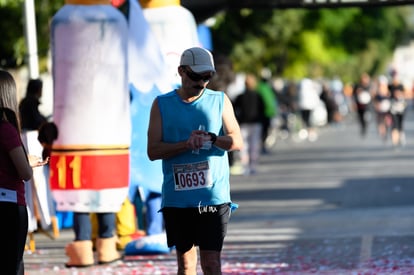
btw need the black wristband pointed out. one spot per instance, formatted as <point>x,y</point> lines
<point>213,137</point>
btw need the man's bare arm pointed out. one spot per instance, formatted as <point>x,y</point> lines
<point>156,148</point>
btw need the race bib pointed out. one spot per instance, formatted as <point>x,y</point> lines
<point>384,105</point>
<point>364,97</point>
<point>398,107</point>
<point>192,176</point>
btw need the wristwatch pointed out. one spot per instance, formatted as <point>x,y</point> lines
<point>213,137</point>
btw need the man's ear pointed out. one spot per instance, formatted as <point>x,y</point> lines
<point>180,70</point>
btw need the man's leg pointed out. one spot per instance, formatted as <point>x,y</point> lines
<point>213,232</point>
<point>187,262</point>
<point>210,262</point>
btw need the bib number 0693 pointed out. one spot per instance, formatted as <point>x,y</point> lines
<point>192,179</point>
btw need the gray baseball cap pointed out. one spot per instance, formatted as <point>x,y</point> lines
<point>198,59</point>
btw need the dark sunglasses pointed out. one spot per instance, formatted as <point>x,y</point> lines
<point>197,77</point>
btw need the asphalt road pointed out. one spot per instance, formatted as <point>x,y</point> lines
<point>340,205</point>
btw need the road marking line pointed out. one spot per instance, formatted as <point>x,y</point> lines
<point>366,247</point>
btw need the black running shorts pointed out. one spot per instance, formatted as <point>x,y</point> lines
<point>204,226</point>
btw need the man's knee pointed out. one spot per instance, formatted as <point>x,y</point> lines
<point>187,262</point>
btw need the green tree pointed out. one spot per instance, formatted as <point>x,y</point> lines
<point>11,28</point>
<point>13,45</point>
<point>292,43</point>
<point>254,38</point>
<point>315,43</point>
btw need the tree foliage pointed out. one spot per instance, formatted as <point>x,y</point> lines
<point>13,46</point>
<point>292,43</point>
<point>312,43</point>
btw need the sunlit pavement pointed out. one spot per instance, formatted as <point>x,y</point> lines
<point>339,205</point>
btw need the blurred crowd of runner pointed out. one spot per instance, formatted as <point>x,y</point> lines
<point>302,108</point>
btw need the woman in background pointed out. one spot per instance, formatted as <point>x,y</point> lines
<point>15,168</point>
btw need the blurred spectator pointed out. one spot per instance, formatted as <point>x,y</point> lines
<point>31,118</point>
<point>286,96</point>
<point>330,104</point>
<point>338,91</point>
<point>248,108</point>
<point>265,90</point>
<point>48,133</point>
<point>308,100</point>
<point>224,75</point>
<point>382,106</point>
<point>398,106</point>
<point>362,99</point>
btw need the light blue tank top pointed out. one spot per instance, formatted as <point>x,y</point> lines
<point>194,180</point>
